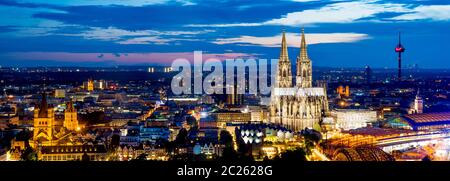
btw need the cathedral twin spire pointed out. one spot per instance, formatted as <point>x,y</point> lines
<point>303,48</point>
<point>304,68</point>
<point>284,75</point>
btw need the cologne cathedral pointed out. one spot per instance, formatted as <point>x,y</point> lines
<point>300,106</point>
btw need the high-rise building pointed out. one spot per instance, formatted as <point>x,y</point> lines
<point>234,98</point>
<point>303,105</point>
<point>368,74</point>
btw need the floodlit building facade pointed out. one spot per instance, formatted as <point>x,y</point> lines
<point>300,106</point>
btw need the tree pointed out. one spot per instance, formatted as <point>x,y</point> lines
<point>298,154</point>
<point>182,137</point>
<point>141,157</point>
<point>229,154</point>
<point>311,138</point>
<point>226,138</point>
<point>426,158</point>
<point>85,157</point>
<point>29,155</point>
<point>115,140</point>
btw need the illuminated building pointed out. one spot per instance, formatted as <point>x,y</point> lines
<point>102,84</point>
<point>343,92</point>
<point>260,116</point>
<point>153,130</point>
<point>71,118</point>
<point>208,127</point>
<point>257,113</point>
<point>269,151</point>
<point>207,121</point>
<point>67,153</point>
<point>300,106</point>
<point>90,85</point>
<point>44,119</point>
<point>208,149</point>
<point>234,98</point>
<point>258,133</point>
<point>60,93</point>
<point>424,121</point>
<point>347,119</point>
<point>167,69</point>
<point>125,153</point>
<point>224,117</point>
<point>151,70</point>
<point>48,131</point>
<point>418,105</point>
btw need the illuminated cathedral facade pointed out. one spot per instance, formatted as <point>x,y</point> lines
<point>300,106</point>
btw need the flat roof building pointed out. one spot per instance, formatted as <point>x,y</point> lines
<point>425,121</point>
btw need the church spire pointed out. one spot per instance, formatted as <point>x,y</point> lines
<point>284,74</point>
<point>43,107</point>
<point>304,67</point>
<point>284,51</point>
<point>303,47</point>
<point>418,94</point>
<point>70,107</point>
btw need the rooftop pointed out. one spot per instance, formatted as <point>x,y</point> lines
<point>428,117</point>
<point>374,131</point>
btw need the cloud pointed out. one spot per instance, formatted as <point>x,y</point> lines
<point>345,12</point>
<point>127,37</point>
<point>127,58</point>
<point>432,12</point>
<point>23,22</point>
<point>144,41</point>
<point>108,2</point>
<point>304,1</point>
<point>293,39</point>
<point>340,12</point>
<point>153,40</point>
<point>109,33</point>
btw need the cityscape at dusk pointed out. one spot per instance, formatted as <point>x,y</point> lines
<point>226,81</point>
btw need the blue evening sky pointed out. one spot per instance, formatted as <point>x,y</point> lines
<point>340,33</point>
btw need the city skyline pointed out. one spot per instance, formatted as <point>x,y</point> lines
<point>108,33</point>
<point>115,114</point>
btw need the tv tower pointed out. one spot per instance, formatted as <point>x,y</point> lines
<point>399,49</point>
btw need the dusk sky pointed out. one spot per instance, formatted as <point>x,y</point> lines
<point>139,32</point>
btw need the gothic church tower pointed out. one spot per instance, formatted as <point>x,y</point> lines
<point>304,67</point>
<point>284,74</point>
